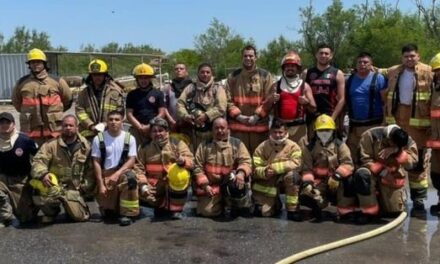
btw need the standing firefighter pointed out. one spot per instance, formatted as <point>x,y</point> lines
<point>201,103</point>
<point>163,168</point>
<point>385,154</point>
<point>293,97</point>
<point>101,96</point>
<point>326,163</point>
<point>144,103</point>
<point>248,92</point>
<point>40,99</point>
<point>434,141</point>
<point>16,150</point>
<point>114,154</point>
<point>277,163</point>
<point>222,169</point>
<point>59,173</point>
<point>408,105</point>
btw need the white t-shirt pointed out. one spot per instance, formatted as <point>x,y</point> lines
<point>407,83</point>
<point>113,147</point>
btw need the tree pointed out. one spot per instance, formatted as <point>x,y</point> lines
<point>220,46</point>
<point>23,40</point>
<point>189,57</point>
<point>271,56</point>
<point>431,17</point>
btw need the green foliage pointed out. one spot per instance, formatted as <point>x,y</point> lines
<point>271,56</point>
<point>23,40</point>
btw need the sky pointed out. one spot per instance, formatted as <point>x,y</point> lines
<point>170,25</point>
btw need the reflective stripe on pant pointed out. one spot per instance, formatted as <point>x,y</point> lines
<point>265,193</point>
<point>418,178</point>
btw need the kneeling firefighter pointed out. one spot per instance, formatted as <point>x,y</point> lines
<point>163,168</point>
<point>61,174</point>
<point>326,163</point>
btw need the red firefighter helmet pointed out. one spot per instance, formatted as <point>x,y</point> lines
<point>292,57</point>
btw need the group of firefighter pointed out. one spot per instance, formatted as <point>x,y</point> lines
<point>236,147</point>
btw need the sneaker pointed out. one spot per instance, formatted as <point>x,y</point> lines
<point>176,216</point>
<point>125,221</point>
<point>294,216</point>
<point>418,210</point>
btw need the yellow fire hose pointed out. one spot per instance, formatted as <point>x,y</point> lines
<point>344,242</point>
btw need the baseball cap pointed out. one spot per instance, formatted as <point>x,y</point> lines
<point>8,116</point>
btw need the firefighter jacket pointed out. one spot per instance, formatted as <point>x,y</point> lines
<point>210,98</point>
<point>372,143</point>
<point>434,141</point>
<point>321,162</point>
<point>215,160</point>
<point>41,100</point>
<point>70,167</point>
<point>91,110</point>
<point>153,161</point>
<point>420,112</point>
<point>282,158</point>
<point>248,94</point>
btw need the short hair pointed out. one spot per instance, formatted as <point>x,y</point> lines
<point>249,47</point>
<point>160,122</point>
<point>399,137</point>
<point>71,116</point>
<point>205,64</point>
<point>277,124</point>
<point>115,112</point>
<point>180,63</point>
<point>364,54</point>
<point>324,46</point>
<point>410,47</point>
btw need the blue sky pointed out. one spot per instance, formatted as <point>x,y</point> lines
<point>166,24</point>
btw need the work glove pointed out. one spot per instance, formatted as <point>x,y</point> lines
<point>333,182</point>
<point>309,190</point>
<point>253,120</point>
<point>242,119</point>
<point>148,192</point>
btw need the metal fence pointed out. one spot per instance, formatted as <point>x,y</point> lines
<point>13,66</point>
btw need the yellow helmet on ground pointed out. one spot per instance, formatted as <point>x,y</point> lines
<point>36,54</point>
<point>178,177</point>
<point>98,66</point>
<point>54,190</point>
<point>325,122</point>
<point>435,62</point>
<point>143,69</point>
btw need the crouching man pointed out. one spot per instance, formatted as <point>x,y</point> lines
<point>61,172</point>
<point>326,163</point>
<point>163,167</point>
<point>114,154</point>
<point>222,169</point>
<point>277,162</point>
<point>385,154</point>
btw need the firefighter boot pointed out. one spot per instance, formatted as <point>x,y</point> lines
<point>417,196</point>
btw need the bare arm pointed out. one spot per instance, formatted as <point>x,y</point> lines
<point>340,96</point>
<point>308,94</point>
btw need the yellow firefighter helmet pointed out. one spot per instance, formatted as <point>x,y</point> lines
<point>325,122</point>
<point>143,69</point>
<point>435,62</point>
<point>291,57</point>
<point>36,54</point>
<point>98,66</point>
<point>178,177</point>
<point>54,190</point>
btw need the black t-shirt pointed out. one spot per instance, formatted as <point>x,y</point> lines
<point>17,161</point>
<point>145,103</point>
<point>324,88</point>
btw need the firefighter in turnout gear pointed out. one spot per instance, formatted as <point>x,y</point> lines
<point>249,100</point>
<point>61,173</point>
<point>114,155</point>
<point>326,164</point>
<point>221,174</point>
<point>291,92</point>
<point>434,141</point>
<point>41,99</point>
<point>408,105</point>
<point>101,96</point>
<point>163,167</point>
<point>277,163</point>
<point>201,103</point>
<point>385,154</point>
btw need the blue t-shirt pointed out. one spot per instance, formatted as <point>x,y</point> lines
<point>360,96</point>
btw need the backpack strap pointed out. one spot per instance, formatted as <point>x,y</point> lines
<point>372,90</point>
<point>125,150</point>
<point>102,149</point>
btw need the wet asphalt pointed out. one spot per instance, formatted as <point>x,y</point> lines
<point>201,240</point>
